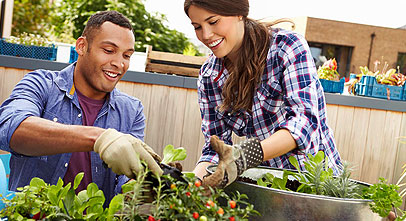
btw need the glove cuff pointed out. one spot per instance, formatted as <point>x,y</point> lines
<point>252,155</point>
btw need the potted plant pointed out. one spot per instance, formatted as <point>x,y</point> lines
<point>173,196</point>
<point>316,194</point>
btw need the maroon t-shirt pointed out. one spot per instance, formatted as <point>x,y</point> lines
<point>80,161</point>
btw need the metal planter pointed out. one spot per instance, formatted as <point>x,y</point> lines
<point>274,204</point>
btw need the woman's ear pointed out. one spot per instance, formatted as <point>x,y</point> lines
<point>81,45</point>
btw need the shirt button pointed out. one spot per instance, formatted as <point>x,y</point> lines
<point>66,164</point>
<point>55,119</point>
<point>79,115</point>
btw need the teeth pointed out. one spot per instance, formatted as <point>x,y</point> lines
<point>215,43</point>
<point>113,75</point>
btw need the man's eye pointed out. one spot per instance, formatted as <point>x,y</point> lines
<point>108,51</point>
<point>127,56</point>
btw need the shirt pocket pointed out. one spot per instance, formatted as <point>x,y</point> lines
<point>236,121</point>
<point>55,117</point>
<point>269,95</point>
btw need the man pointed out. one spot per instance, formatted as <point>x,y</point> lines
<point>54,120</point>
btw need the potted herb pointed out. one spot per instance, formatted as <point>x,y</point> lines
<point>316,194</point>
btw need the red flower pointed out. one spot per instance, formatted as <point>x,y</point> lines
<point>331,64</point>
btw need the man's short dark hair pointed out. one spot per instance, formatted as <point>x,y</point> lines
<point>96,20</point>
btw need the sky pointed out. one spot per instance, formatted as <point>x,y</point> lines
<point>385,13</point>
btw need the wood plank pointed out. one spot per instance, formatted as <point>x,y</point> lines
<point>388,153</point>
<point>126,87</point>
<point>143,92</point>
<point>375,142</point>
<point>400,159</point>
<point>332,110</point>
<point>173,125</point>
<point>153,132</point>
<point>191,132</point>
<point>380,148</point>
<point>169,69</point>
<point>342,132</point>
<point>358,138</point>
<point>180,58</point>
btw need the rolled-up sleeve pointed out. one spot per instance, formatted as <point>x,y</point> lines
<point>27,99</point>
<point>301,99</point>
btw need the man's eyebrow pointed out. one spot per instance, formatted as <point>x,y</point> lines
<point>115,45</point>
<point>208,18</point>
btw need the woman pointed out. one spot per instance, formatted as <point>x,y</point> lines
<point>259,83</point>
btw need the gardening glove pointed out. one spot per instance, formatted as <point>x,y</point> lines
<point>233,160</point>
<point>122,153</point>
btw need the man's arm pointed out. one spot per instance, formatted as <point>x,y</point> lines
<point>36,137</point>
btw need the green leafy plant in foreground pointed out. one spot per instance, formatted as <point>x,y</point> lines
<point>41,200</point>
<point>170,199</point>
<point>318,179</point>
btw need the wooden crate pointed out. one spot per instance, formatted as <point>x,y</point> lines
<point>171,63</point>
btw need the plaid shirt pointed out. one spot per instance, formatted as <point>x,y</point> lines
<point>289,97</point>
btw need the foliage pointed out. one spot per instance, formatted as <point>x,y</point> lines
<point>60,202</point>
<point>318,179</point>
<point>385,197</point>
<point>65,21</point>
<point>170,199</point>
<point>171,154</point>
<point>182,201</point>
<point>29,39</point>
<point>328,70</point>
<point>32,16</point>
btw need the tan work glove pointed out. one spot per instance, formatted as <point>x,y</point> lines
<point>233,160</point>
<point>122,153</point>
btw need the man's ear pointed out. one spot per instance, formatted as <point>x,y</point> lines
<point>81,45</point>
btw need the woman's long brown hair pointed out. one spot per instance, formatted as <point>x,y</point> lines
<point>246,71</point>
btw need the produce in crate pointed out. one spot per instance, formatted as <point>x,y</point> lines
<point>328,70</point>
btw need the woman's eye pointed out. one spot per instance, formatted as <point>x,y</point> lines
<point>213,22</point>
<point>197,27</point>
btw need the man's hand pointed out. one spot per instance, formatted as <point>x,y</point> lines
<point>233,160</point>
<point>122,153</point>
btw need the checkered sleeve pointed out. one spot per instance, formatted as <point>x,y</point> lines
<point>300,83</point>
<point>209,99</point>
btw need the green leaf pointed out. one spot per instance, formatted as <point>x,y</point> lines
<point>171,154</point>
<point>294,162</point>
<point>115,205</point>
<point>37,182</point>
<point>78,179</point>
<point>129,186</point>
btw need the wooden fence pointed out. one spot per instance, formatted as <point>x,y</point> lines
<point>368,138</point>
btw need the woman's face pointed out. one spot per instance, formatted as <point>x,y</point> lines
<point>222,34</point>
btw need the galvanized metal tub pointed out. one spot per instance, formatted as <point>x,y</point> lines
<point>274,204</point>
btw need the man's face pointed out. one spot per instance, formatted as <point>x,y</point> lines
<point>103,61</point>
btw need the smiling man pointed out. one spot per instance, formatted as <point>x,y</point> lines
<point>59,123</point>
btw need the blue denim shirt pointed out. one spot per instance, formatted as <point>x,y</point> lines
<point>51,95</point>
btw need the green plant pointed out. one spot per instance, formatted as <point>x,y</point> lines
<point>328,70</point>
<point>60,202</point>
<point>385,198</point>
<point>29,39</point>
<point>318,179</point>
